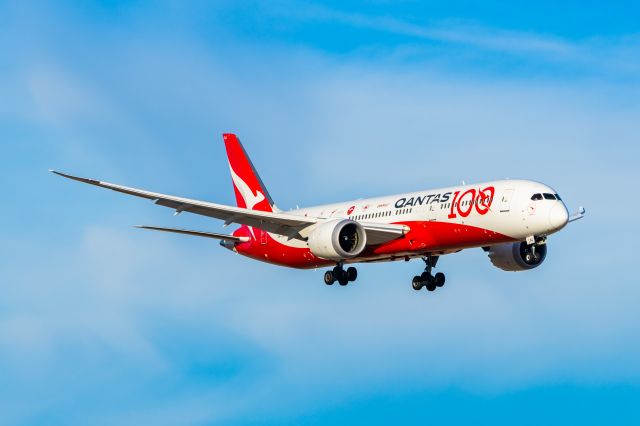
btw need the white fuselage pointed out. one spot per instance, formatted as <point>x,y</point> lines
<point>506,209</point>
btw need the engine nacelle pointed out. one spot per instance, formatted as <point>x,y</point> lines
<point>337,239</point>
<point>517,256</point>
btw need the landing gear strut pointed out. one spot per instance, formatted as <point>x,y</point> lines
<point>427,280</point>
<point>339,274</point>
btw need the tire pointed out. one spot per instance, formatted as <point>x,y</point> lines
<point>329,279</point>
<point>431,285</point>
<point>343,280</point>
<point>439,279</point>
<point>425,276</point>
<point>417,283</point>
<point>352,273</point>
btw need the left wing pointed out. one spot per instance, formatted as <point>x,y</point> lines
<point>275,222</point>
<point>278,223</point>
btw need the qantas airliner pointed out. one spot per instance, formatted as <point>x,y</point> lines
<point>508,219</point>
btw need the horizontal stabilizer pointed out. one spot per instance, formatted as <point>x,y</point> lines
<point>213,235</point>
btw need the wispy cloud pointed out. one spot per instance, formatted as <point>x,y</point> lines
<point>587,56</point>
<point>456,32</point>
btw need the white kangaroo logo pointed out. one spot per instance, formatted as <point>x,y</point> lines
<point>250,200</point>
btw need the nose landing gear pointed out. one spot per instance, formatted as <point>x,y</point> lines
<point>339,274</point>
<point>430,282</point>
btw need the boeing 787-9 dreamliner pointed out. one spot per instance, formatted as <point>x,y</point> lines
<point>508,219</point>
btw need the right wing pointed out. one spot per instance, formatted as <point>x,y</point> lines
<point>278,223</point>
<point>577,215</point>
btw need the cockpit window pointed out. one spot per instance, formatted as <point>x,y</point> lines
<point>558,197</point>
<point>549,196</point>
<point>536,197</point>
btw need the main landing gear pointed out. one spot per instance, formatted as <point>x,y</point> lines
<point>339,274</point>
<point>427,280</point>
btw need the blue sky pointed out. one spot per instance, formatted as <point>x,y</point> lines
<point>101,323</point>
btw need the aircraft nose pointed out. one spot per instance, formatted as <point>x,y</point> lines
<point>558,216</point>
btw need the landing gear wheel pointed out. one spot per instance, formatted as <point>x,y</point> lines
<point>352,273</point>
<point>427,280</point>
<point>339,274</point>
<point>417,283</point>
<point>329,278</point>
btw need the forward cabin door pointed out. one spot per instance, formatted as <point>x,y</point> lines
<point>505,201</point>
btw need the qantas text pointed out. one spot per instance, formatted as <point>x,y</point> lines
<point>462,203</point>
<point>425,199</point>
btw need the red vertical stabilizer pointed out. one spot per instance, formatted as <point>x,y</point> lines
<point>247,185</point>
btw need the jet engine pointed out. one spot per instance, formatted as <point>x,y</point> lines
<point>337,239</point>
<point>517,256</point>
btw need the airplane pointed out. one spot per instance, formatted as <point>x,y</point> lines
<point>508,219</point>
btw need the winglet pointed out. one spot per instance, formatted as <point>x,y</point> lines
<point>79,179</point>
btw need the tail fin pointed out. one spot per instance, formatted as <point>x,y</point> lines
<point>249,189</point>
